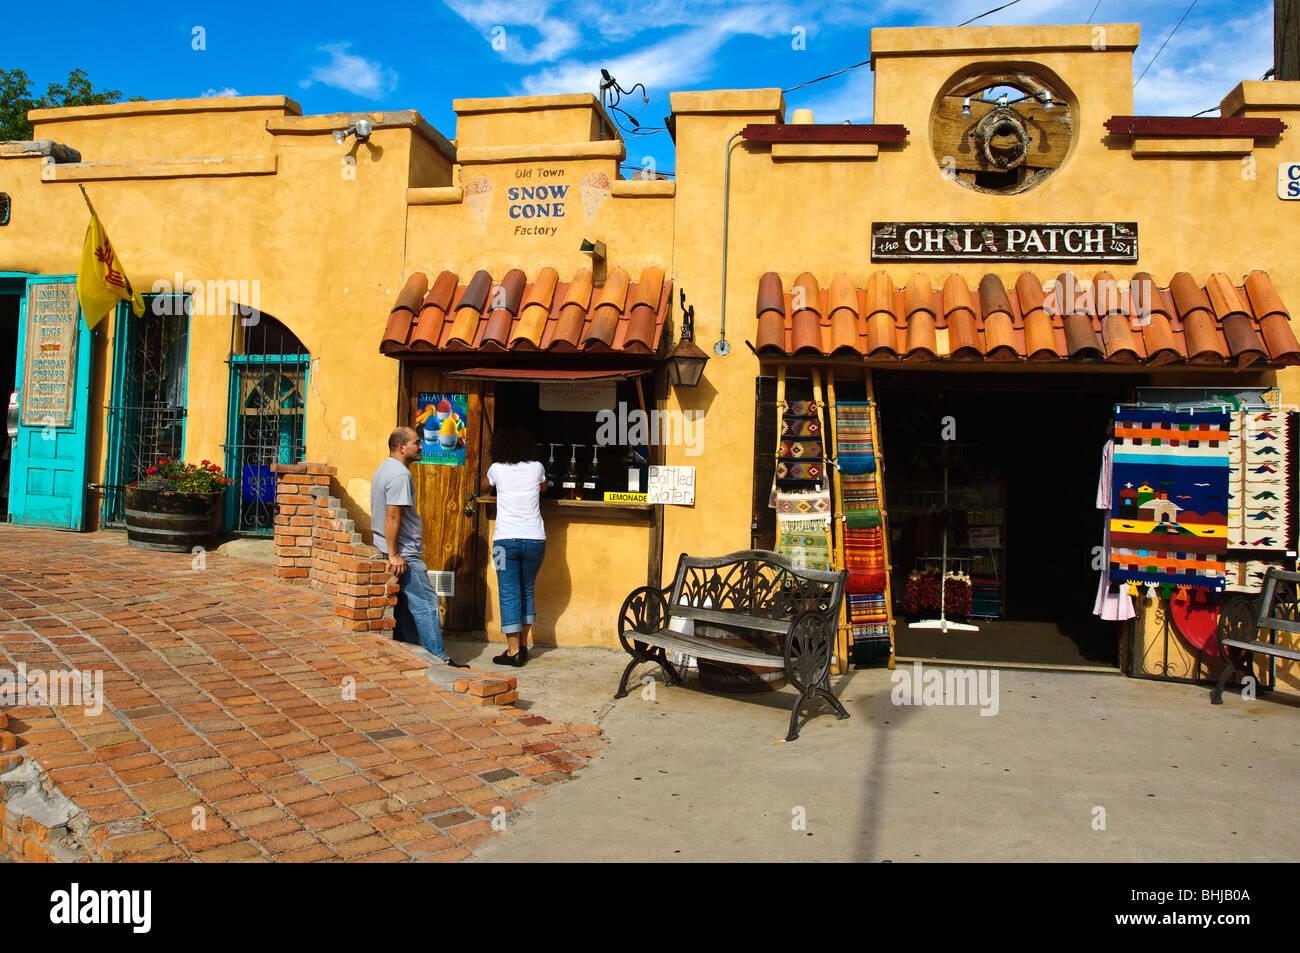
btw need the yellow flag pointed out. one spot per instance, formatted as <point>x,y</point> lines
<point>101,281</point>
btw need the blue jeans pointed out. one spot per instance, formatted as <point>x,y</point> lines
<point>417,609</point>
<point>517,562</point>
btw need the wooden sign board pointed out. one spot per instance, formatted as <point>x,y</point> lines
<point>50,355</point>
<point>577,396</point>
<point>1002,241</point>
<point>672,485</point>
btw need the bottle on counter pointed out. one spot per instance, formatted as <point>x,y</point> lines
<point>552,475</point>
<point>591,479</point>
<point>569,483</point>
<point>634,461</point>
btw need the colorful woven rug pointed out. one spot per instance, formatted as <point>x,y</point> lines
<point>800,506</point>
<point>864,558</point>
<point>807,542</point>
<point>1261,496</point>
<point>1169,517</point>
<point>868,627</point>
<point>800,461</point>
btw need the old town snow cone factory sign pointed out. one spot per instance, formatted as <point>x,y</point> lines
<point>49,364</point>
<point>994,241</point>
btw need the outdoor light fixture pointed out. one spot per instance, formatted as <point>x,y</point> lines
<point>1047,102</point>
<point>965,108</point>
<point>361,128</point>
<point>595,249</point>
<point>686,361</point>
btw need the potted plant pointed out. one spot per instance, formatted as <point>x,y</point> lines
<point>175,506</point>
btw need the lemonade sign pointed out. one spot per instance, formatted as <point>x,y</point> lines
<point>442,420</point>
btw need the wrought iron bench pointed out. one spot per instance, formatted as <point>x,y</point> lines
<point>751,590</point>
<point>1276,608</point>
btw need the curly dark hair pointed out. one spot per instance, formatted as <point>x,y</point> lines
<point>514,445</point>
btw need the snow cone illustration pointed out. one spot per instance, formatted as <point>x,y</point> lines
<point>448,434</point>
<point>444,409</point>
<point>479,195</point>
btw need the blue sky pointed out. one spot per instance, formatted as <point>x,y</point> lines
<point>340,55</point>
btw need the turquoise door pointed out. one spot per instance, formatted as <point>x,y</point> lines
<point>47,482</point>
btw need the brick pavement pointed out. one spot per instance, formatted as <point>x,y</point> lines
<point>226,701</point>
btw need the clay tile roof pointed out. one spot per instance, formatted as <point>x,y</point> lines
<point>618,315</point>
<point>1108,319</point>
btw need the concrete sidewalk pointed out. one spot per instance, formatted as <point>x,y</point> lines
<point>691,775</point>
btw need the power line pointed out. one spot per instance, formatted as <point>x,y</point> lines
<point>868,62</point>
<point>827,76</point>
<point>1094,11</point>
<point>987,12</point>
<point>1166,42</point>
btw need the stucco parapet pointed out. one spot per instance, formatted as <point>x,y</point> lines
<point>205,104</point>
<point>729,102</point>
<point>1261,97</point>
<point>605,149</point>
<point>1192,147</point>
<point>643,188</point>
<point>326,124</point>
<point>464,107</point>
<point>190,167</point>
<point>913,41</point>
<point>26,148</point>
<point>437,195</point>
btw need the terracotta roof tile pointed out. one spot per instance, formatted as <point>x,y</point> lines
<point>1133,322</point>
<point>547,314</point>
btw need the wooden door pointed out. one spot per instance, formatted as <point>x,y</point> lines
<point>445,497</point>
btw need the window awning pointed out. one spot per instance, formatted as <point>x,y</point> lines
<point>545,375</point>
<point>1062,321</point>
<point>542,317</point>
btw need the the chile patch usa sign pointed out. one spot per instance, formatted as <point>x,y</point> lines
<point>1002,241</point>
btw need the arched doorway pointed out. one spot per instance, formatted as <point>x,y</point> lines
<point>266,421</point>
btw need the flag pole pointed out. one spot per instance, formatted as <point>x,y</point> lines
<point>87,198</point>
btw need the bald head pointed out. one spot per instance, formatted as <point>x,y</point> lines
<point>400,436</point>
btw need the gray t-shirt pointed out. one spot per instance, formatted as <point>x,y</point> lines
<point>392,486</point>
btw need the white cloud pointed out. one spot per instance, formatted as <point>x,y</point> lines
<point>352,73</point>
<point>224,91</point>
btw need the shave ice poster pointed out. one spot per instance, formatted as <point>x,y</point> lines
<point>441,420</point>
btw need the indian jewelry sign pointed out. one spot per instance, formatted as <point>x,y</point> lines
<point>50,355</point>
<point>1002,241</point>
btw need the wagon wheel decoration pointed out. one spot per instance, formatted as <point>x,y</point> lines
<point>644,611</point>
<point>808,652</point>
<point>999,124</point>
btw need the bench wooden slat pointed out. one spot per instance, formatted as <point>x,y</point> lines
<point>707,648</point>
<point>723,617</point>
<point>1264,648</point>
<point>1282,625</point>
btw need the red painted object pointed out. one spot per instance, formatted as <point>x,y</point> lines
<point>1196,618</point>
<point>823,132</point>
<point>1199,126</point>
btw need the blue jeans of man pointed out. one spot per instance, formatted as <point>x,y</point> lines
<point>417,609</point>
<point>517,562</point>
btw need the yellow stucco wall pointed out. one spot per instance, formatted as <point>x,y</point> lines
<point>331,250</point>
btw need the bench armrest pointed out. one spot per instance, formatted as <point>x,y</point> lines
<point>809,646</point>
<point>644,611</point>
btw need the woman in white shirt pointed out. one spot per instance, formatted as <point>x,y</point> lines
<point>519,539</point>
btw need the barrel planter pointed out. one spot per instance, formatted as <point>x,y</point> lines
<point>172,522</point>
<point>726,677</point>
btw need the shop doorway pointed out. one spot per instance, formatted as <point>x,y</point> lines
<point>146,420</point>
<point>1022,455</point>
<point>10,298</point>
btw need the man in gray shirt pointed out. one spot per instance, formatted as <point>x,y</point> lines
<point>397,530</point>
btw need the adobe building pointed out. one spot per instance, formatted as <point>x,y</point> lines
<point>1003,257</point>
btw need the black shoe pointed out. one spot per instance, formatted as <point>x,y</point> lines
<point>517,660</point>
<point>523,654</point>
<point>454,664</point>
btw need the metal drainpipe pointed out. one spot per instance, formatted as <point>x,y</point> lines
<point>722,347</point>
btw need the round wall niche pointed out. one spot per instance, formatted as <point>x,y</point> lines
<point>1001,130</point>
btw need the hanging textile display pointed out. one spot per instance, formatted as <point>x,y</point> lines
<point>868,627</point>
<point>1113,602</point>
<point>864,558</point>
<point>800,462</point>
<point>1261,496</point>
<point>803,524</point>
<point>1169,519</point>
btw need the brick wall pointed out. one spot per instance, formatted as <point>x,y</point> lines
<point>316,541</point>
